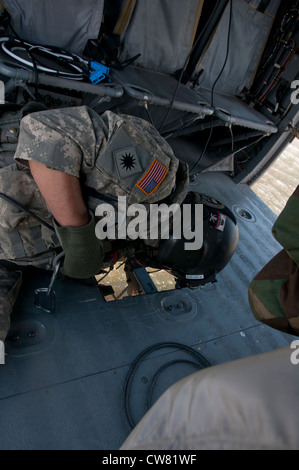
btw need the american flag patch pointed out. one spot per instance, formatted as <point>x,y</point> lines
<point>153,178</point>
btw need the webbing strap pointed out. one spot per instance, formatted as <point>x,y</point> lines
<point>39,243</point>
<point>17,244</point>
<point>36,237</point>
<point>124,17</point>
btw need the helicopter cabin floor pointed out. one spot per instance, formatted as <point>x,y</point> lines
<point>63,382</point>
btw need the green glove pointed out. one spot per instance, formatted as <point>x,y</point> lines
<point>83,250</point>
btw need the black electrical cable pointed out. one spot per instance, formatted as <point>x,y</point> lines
<point>159,371</point>
<point>213,20</point>
<point>215,83</point>
<point>72,66</point>
<point>227,52</point>
<point>204,150</point>
<point>203,362</point>
<point>185,67</point>
<point>34,64</point>
<point>283,32</point>
<point>19,206</point>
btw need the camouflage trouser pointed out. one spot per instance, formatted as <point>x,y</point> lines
<point>274,293</point>
<point>10,283</point>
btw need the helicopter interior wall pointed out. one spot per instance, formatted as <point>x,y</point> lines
<point>68,25</point>
<point>162,33</point>
<point>236,123</point>
<point>239,41</point>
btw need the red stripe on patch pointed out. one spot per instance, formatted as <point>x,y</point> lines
<point>153,178</point>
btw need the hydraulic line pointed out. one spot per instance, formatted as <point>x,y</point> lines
<point>32,77</point>
<point>201,363</point>
<point>280,53</point>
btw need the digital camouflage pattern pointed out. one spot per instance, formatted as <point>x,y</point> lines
<point>274,293</point>
<point>22,237</point>
<point>286,228</point>
<point>80,142</point>
<point>10,283</point>
<point>111,154</point>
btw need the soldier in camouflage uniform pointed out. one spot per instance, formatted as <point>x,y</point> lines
<point>274,293</point>
<point>65,162</point>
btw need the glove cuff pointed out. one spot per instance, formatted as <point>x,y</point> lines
<point>83,250</point>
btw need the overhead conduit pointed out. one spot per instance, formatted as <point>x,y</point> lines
<point>28,76</point>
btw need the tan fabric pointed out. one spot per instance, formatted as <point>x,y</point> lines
<point>246,404</point>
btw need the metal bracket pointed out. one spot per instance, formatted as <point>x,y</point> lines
<point>294,130</point>
<point>138,279</point>
<point>44,297</point>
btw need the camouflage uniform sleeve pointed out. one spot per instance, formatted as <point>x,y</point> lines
<point>274,293</point>
<point>64,139</point>
<point>286,228</point>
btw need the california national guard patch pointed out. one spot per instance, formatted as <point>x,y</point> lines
<point>152,178</point>
<point>127,162</point>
